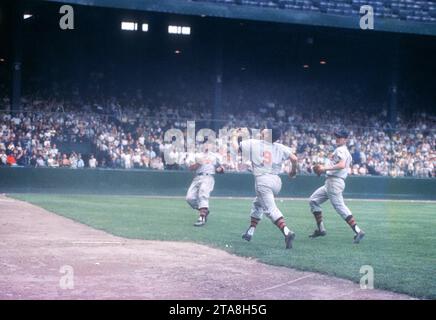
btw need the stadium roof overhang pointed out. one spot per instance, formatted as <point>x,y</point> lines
<point>260,14</point>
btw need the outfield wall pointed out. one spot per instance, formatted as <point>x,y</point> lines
<point>175,183</point>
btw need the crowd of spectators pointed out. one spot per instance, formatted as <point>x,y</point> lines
<point>423,11</point>
<point>128,133</point>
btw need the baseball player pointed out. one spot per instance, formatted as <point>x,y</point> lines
<point>267,156</point>
<point>206,165</point>
<point>336,171</point>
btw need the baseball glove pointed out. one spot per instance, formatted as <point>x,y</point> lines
<point>318,169</point>
<point>219,170</point>
<point>293,173</point>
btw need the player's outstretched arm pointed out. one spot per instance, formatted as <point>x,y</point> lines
<point>239,132</point>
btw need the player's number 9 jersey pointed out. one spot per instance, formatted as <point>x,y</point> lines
<point>265,157</point>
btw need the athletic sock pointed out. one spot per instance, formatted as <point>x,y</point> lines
<point>203,212</point>
<point>356,229</point>
<point>253,225</point>
<point>286,230</point>
<point>251,230</point>
<point>254,222</point>
<point>319,221</point>
<point>352,223</point>
<point>281,224</point>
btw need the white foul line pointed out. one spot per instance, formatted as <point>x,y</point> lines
<point>286,283</point>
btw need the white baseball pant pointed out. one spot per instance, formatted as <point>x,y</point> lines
<point>266,186</point>
<point>199,192</point>
<point>331,190</point>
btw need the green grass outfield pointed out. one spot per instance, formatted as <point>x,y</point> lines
<point>400,243</point>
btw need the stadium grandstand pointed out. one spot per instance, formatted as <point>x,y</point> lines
<point>405,16</point>
<point>422,11</point>
<point>103,95</point>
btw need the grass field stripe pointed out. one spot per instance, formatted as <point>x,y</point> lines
<point>286,283</point>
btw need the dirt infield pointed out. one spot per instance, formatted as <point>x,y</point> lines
<point>36,244</point>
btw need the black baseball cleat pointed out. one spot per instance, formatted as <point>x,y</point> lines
<point>317,234</point>
<point>288,240</point>
<point>246,236</point>
<point>358,237</point>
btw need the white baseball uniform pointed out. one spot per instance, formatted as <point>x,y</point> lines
<point>266,159</point>
<point>199,192</point>
<point>334,185</point>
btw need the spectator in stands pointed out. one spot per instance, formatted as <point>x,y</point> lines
<point>40,161</point>
<point>65,161</point>
<point>52,162</point>
<point>92,162</point>
<point>11,160</point>
<point>157,163</point>
<point>80,163</point>
<point>133,136</point>
<point>73,160</point>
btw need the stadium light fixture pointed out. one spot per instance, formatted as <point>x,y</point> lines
<point>2,60</point>
<point>145,27</point>
<point>27,16</point>
<point>185,30</point>
<point>177,51</point>
<point>323,62</point>
<point>129,26</point>
<point>306,66</point>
